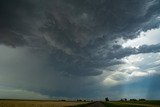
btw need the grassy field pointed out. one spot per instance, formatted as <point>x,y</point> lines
<point>30,103</point>
<point>132,104</point>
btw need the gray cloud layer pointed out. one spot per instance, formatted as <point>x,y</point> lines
<point>78,37</point>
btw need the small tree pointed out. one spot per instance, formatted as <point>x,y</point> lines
<point>107,99</point>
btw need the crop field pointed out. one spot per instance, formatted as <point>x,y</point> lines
<point>49,103</point>
<point>132,104</point>
<point>39,103</point>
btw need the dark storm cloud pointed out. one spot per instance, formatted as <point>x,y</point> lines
<point>151,48</point>
<point>10,19</point>
<point>76,34</point>
<point>78,37</point>
<point>122,52</point>
<point>89,26</point>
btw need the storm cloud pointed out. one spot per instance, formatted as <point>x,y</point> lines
<point>71,41</point>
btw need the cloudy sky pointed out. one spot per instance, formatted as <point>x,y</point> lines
<point>52,49</point>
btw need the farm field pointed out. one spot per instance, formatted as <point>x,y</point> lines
<point>39,103</point>
<point>132,104</point>
<point>54,103</point>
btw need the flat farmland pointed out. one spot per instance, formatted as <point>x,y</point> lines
<point>39,103</point>
<point>132,104</point>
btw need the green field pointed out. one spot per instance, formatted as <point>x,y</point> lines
<point>132,104</point>
<point>126,104</point>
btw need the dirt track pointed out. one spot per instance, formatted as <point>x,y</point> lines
<point>96,104</point>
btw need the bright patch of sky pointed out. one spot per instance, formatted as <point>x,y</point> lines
<point>150,37</point>
<point>134,68</point>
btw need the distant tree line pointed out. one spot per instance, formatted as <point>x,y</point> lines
<point>125,99</point>
<point>84,100</point>
<point>137,100</point>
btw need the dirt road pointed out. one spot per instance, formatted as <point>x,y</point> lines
<point>96,104</point>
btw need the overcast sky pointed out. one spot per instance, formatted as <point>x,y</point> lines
<point>52,49</point>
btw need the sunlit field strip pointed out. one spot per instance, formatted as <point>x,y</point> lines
<point>30,103</point>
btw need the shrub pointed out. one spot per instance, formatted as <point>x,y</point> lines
<point>142,99</point>
<point>133,99</point>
